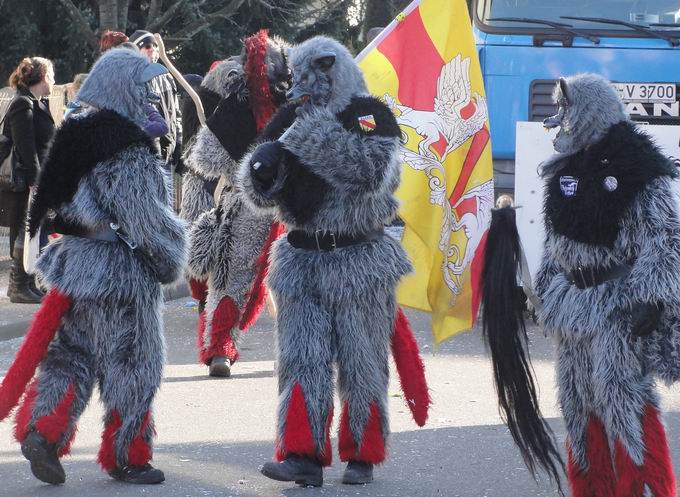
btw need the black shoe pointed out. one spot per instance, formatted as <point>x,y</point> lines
<point>301,470</point>
<point>45,464</point>
<point>141,475</point>
<point>220,366</point>
<point>358,473</point>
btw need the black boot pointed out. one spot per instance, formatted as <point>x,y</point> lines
<point>220,367</point>
<point>358,473</point>
<point>301,470</point>
<point>141,475</point>
<point>45,464</point>
<point>19,288</point>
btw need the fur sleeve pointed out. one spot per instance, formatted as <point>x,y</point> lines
<point>201,245</point>
<point>654,233</point>
<point>546,271</point>
<point>343,151</point>
<point>208,157</point>
<point>134,190</point>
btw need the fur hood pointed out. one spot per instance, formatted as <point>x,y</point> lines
<point>79,145</point>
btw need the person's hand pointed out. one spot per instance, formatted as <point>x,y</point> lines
<point>264,164</point>
<point>645,318</point>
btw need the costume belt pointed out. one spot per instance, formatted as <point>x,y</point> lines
<point>586,277</point>
<point>110,233</point>
<point>328,241</point>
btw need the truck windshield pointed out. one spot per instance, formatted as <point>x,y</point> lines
<point>646,12</point>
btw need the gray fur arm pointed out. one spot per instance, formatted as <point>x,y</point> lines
<point>346,159</point>
<point>655,235</point>
<point>209,158</point>
<point>201,247</point>
<point>546,271</point>
<point>260,203</point>
<point>195,197</point>
<point>135,192</point>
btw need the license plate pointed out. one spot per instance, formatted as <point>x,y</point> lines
<point>646,92</point>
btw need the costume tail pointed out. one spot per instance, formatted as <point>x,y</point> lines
<point>506,338</point>
<point>411,369</point>
<point>41,332</point>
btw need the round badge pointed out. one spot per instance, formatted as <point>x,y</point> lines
<point>610,183</point>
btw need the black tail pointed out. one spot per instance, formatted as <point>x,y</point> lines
<point>506,338</point>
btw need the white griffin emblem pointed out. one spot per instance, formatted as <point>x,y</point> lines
<point>457,116</point>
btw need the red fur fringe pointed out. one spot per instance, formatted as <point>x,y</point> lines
<point>411,369</point>
<point>53,426</point>
<point>199,289</point>
<point>372,448</point>
<point>139,452</point>
<point>258,294</point>
<point>224,319</point>
<point>297,436</point>
<point>256,78</point>
<point>599,479</point>
<point>33,349</point>
<point>25,412</point>
<point>107,451</point>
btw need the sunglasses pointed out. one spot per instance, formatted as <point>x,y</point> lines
<point>147,46</point>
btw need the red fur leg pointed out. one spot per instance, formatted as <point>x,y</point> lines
<point>372,448</point>
<point>33,349</point>
<point>297,437</point>
<point>199,290</point>
<point>599,479</point>
<point>258,293</point>
<point>107,451</point>
<point>140,452</point>
<point>411,369</point>
<point>224,319</point>
<point>658,471</point>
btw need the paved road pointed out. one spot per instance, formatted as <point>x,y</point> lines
<point>213,434</point>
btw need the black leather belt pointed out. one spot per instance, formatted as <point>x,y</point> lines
<point>586,277</point>
<point>110,233</point>
<point>327,241</point>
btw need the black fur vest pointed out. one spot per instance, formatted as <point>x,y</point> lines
<point>590,191</point>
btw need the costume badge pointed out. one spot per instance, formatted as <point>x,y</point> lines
<point>610,183</point>
<point>367,123</point>
<point>568,185</point>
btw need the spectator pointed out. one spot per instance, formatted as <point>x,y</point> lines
<point>74,107</point>
<point>164,86</point>
<point>111,39</point>
<point>30,126</point>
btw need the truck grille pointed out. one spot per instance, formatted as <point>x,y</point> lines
<point>541,105</point>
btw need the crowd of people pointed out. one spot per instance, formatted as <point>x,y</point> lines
<point>287,190</point>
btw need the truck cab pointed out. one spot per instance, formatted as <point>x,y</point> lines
<point>526,45</point>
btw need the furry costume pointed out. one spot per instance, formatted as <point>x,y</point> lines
<point>229,245</point>
<point>610,293</point>
<point>105,296</point>
<point>331,181</point>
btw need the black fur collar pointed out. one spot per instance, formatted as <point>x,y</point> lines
<point>78,146</point>
<point>592,213</point>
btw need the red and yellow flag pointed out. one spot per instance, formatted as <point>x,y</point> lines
<point>425,67</point>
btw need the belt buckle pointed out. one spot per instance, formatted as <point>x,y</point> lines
<point>123,237</point>
<point>322,233</point>
<point>579,270</point>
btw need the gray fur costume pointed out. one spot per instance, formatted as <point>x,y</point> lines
<point>609,286</point>
<point>229,244</point>
<point>329,179</point>
<point>102,169</point>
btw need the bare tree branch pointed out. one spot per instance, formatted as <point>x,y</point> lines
<point>81,24</point>
<point>154,10</point>
<point>196,27</point>
<point>157,24</point>
<point>108,14</point>
<point>123,9</point>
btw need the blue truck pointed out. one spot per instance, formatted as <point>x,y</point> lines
<point>524,46</point>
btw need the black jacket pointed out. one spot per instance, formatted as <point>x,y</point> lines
<point>31,128</point>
